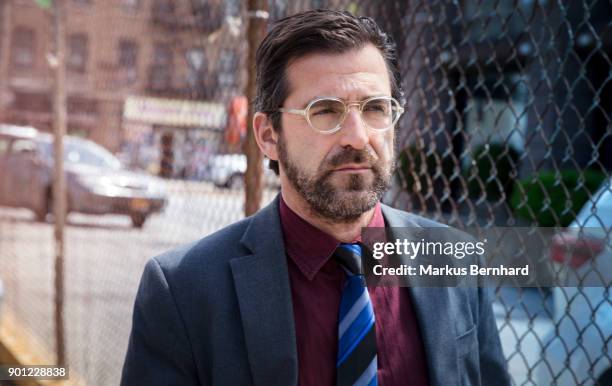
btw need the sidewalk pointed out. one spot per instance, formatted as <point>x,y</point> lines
<point>19,347</point>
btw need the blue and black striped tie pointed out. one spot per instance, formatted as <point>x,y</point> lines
<point>356,361</point>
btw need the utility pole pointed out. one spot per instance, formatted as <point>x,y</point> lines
<point>257,18</point>
<point>57,64</point>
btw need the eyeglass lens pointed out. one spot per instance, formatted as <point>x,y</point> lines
<point>327,114</point>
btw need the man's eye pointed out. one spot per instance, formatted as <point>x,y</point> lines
<point>376,107</point>
<point>325,111</point>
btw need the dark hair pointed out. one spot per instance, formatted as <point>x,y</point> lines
<point>322,31</point>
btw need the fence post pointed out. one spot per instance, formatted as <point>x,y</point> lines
<point>57,63</point>
<point>257,16</point>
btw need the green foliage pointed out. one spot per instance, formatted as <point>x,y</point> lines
<point>494,169</point>
<point>548,200</point>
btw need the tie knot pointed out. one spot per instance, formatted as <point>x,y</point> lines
<point>349,256</point>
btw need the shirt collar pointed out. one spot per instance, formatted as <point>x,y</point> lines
<point>308,246</point>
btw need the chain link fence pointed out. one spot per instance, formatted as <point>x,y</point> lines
<point>506,124</point>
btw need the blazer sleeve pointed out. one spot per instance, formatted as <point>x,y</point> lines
<point>159,351</point>
<point>493,365</point>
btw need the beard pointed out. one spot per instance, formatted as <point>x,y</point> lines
<point>351,196</point>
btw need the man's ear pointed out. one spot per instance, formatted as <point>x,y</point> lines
<point>265,135</point>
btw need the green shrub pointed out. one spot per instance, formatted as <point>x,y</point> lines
<point>490,160</point>
<point>564,203</point>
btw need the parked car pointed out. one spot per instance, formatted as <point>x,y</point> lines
<point>579,350</point>
<point>97,182</point>
<point>227,170</point>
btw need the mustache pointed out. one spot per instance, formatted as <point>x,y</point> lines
<point>351,155</point>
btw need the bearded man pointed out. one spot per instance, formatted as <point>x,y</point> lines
<point>277,298</point>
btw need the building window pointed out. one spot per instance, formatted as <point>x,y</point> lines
<point>278,9</point>
<point>232,8</point>
<point>130,5</point>
<point>207,15</point>
<point>161,68</point>
<point>128,59</point>
<point>227,71</point>
<point>196,61</point>
<point>81,105</point>
<point>163,12</point>
<point>77,53</point>
<point>32,101</point>
<point>163,7</point>
<point>23,47</point>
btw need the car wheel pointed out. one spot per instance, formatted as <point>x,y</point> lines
<point>605,379</point>
<point>138,219</point>
<point>236,181</point>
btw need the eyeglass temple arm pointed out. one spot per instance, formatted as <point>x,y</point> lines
<point>293,111</point>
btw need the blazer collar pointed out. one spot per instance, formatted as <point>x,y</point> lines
<point>262,285</point>
<point>433,308</point>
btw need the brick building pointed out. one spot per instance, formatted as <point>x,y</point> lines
<point>170,55</point>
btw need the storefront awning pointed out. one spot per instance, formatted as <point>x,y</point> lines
<point>175,112</point>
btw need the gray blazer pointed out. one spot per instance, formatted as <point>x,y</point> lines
<point>219,312</point>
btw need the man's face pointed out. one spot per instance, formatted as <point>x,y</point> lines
<point>340,175</point>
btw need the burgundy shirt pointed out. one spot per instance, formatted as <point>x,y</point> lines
<point>316,287</point>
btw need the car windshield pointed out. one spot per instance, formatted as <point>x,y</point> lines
<point>78,152</point>
<point>599,213</point>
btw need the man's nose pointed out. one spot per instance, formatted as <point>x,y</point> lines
<point>354,131</point>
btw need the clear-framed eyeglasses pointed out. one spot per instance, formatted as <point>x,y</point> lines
<point>327,114</point>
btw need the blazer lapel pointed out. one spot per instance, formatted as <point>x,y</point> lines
<point>264,297</point>
<point>433,308</point>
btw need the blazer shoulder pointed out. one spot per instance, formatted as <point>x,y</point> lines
<point>208,259</point>
<point>399,218</point>
<point>211,250</point>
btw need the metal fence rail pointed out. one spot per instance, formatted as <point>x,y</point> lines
<point>507,123</point>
